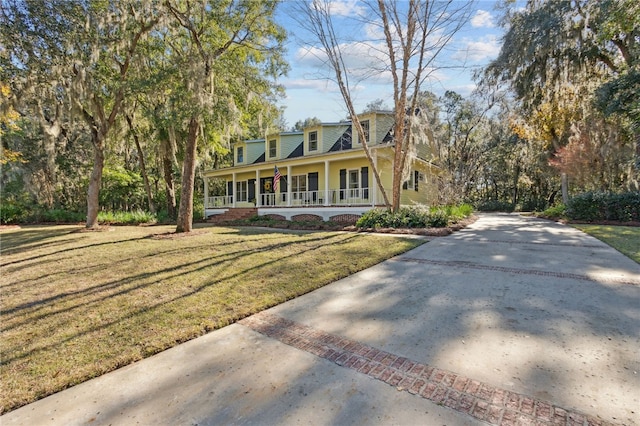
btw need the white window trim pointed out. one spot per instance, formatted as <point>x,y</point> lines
<point>316,134</point>
<point>275,148</point>
<point>367,131</point>
<point>295,189</point>
<point>245,190</point>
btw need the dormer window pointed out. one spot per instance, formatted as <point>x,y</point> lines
<point>240,155</point>
<point>313,141</point>
<point>272,148</point>
<point>365,127</point>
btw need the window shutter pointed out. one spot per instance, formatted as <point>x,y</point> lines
<point>364,181</point>
<point>283,184</point>
<point>416,175</point>
<point>313,181</point>
<point>230,188</point>
<point>405,185</point>
<point>251,189</point>
<point>313,184</point>
<point>343,182</point>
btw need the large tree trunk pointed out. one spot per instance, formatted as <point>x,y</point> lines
<point>396,185</point>
<point>95,182</point>
<point>167,173</point>
<point>185,214</point>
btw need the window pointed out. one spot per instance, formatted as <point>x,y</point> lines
<point>272,148</point>
<point>298,186</point>
<point>411,183</point>
<point>240,155</point>
<point>313,141</point>
<point>354,183</point>
<point>365,127</point>
<point>241,190</point>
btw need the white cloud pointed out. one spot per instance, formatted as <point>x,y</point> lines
<point>478,50</point>
<point>346,8</point>
<point>482,19</point>
<point>320,85</point>
<point>361,59</point>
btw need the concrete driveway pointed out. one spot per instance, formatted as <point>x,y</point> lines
<point>513,320</point>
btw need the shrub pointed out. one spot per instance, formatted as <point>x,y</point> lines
<point>494,206</point>
<point>592,206</point>
<point>61,216</point>
<point>438,219</point>
<point>198,209</point>
<point>11,212</point>
<point>556,212</point>
<point>126,218</point>
<point>414,217</point>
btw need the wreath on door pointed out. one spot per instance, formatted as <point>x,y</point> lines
<point>267,186</point>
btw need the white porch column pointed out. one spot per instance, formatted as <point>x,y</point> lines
<point>288,185</point>
<point>206,194</point>
<point>258,196</point>
<point>374,198</point>
<point>327,202</point>
<point>234,188</point>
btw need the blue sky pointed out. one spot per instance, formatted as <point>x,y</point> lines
<point>309,94</point>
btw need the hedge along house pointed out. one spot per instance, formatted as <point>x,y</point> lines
<point>323,173</point>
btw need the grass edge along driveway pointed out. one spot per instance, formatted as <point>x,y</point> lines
<point>79,304</point>
<point>625,239</point>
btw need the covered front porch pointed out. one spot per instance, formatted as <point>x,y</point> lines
<point>324,198</point>
<point>334,182</point>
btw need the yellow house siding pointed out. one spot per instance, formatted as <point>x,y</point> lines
<point>353,164</point>
<point>427,192</point>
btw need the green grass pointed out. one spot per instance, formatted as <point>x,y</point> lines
<point>625,239</point>
<point>77,304</point>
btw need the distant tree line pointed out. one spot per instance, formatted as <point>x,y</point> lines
<point>117,105</point>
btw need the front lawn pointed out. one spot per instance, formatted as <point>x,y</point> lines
<point>78,304</point>
<point>625,239</point>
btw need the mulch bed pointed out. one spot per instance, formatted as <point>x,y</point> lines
<point>323,226</point>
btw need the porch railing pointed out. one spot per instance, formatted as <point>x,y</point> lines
<point>330,197</point>
<point>219,201</point>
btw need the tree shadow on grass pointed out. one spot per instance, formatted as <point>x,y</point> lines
<point>72,308</point>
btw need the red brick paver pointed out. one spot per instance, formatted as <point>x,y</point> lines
<point>480,400</point>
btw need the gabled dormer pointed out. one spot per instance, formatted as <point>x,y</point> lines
<point>313,140</point>
<point>239,153</point>
<point>248,152</point>
<point>272,147</point>
<point>376,126</point>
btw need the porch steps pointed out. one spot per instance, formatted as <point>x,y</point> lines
<point>233,214</point>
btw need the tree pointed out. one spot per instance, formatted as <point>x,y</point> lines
<point>307,122</point>
<point>225,52</point>
<point>415,34</point>
<point>376,105</point>
<point>556,54</point>
<point>80,53</point>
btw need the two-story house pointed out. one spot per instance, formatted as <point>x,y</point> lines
<point>323,173</point>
